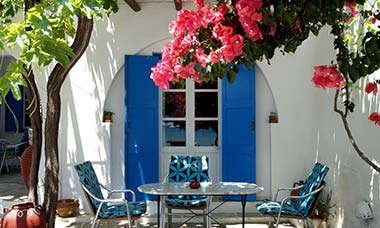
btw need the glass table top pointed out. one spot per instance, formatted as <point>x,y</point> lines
<point>206,188</point>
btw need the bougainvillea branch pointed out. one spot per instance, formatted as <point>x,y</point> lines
<point>213,41</point>
<point>350,136</point>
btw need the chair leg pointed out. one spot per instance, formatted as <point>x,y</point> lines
<point>170,218</point>
<point>205,222</point>
<point>270,223</point>
<point>2,162</point>
<point>95,223</point>
<point>162,216</point>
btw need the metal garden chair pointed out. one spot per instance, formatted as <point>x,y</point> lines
<point>107,209</point>
<point>11,151</point>
<point>304,204</point>
<point>187,169</point>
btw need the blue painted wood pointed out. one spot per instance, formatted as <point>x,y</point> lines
<point>18,109</point>
<point>141,123</point>
<point>239,140</point>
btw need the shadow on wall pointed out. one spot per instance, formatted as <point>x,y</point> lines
<point>84,136</point>
<point>350,178</point>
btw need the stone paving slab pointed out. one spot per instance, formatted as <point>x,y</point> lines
<point>13,190</point>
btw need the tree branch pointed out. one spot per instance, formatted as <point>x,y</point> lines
<point>80,44</point>
<point>350,136</point>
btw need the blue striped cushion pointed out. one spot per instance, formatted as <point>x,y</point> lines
<point>273,208</point>
<point>301,207</point>
<point>89,179</point>
<point>120,210</point>
<point>313,182</point>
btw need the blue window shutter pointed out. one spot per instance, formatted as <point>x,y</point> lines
<point>17,108</point>
<point>141,123</point>
<point>239,143</point>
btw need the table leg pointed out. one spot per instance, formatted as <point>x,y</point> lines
<point>243,203</point>
<point>158,210</point>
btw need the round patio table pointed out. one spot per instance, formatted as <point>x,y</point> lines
<point>241,189</point>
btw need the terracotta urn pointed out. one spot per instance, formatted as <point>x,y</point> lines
<point>26,163</point>
<point>24,215</point>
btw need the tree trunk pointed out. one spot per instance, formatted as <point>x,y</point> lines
<point>36,122</point>
<point>51,153</point>
<point>53,112</point>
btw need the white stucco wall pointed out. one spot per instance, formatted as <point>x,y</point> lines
<point>307,131</point>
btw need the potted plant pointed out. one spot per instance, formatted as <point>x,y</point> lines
<point>324,210</point>
<point>107,116</point>
<point>67,207</point>
<point>273,117</point>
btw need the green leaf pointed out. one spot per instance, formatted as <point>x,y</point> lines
<point>231,76</point>
<point>353,74</point>
<point>16,34</point>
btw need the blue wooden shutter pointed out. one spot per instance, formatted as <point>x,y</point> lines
<point>238,112</point>
<point>141,123</point>
<point>17,108</point>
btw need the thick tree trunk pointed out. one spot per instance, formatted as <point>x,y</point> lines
<point>53,111</point>
<point>36,122</point>
<point>51,152</point>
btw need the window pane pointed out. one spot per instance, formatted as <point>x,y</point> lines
<point>206,133</point>
<point>174,104</point>
<point>174,133</point>
<point>207,85</point>
<point>206,104</point>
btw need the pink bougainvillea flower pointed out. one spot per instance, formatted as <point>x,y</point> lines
<point>199,3</point>
<point>327,77</point>
<point>371,87</point>
<point>249,17</point>
<point>375,117</point>
<point>232,48</point>
<point>272,31</point>
<point>354,11</point>
<point>215,57</point>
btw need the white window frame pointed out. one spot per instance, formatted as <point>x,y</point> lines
<point>190,128</point>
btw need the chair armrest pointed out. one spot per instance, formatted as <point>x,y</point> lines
<point>123,191</point>
<point>103,201</point>
<point>287,198</point>
<point>15,145</point>
<point>286,189</point>
<point>112,191</point>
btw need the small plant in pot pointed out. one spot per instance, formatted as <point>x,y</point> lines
<point>273,118</point>
<point>324,210</point>
<point>67,207</point>
<point>107,116</point>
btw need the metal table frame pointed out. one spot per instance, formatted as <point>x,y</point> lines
<point>241,189</point>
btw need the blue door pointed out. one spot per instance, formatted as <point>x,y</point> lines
<point>141,123</point>
<point>238,128</point>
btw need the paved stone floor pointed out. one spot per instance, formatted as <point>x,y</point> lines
<point>12,190</point>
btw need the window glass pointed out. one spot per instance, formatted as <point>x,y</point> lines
<point>206,104</point>
<point>174,133</point>
<point>206,133</point>
<point>174,104</point>
<point>207,85</point>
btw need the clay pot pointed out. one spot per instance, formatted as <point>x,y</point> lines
<point>24,215</point>
<point>26,163</point>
